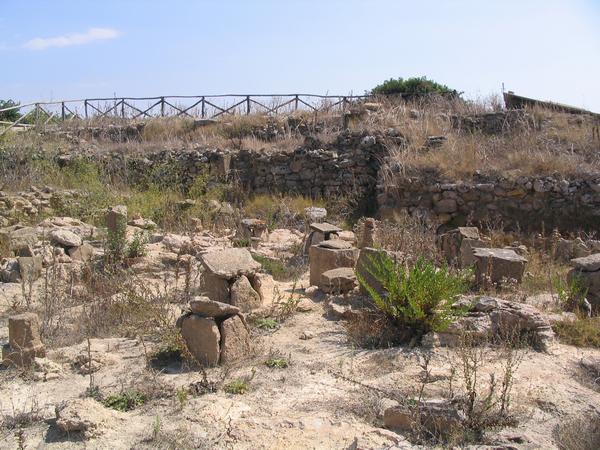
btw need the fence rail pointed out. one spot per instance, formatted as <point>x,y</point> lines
<point>200,106</point>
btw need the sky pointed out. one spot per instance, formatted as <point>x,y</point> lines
<point>60,49</point>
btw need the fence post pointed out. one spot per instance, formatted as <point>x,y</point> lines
<point>162,107</point>
<point>37,114</point>
<point>247,104</point>
<point>296,103</point>
<point>62,111</point>
<point>85,103</point>
<point>344,103</point>
<point>203,108</point>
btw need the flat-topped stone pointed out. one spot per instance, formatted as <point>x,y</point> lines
<point>206,307</point>
<point>501,253</point>
<point>587,263</point>
<point>336,244</point>
<point>325,228</point>
<point>230,263</point>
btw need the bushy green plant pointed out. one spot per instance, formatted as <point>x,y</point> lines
<point>116,243</point>
<point>419,299</point>
<point>12,115</point>
<point>137,246</point>
<point>126,400</point>
<point>571,294</point>
<point>413,86</point>
<point>237,387</point>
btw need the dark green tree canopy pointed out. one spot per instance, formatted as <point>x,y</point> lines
<point>9,116</point>
<point>414,86</point>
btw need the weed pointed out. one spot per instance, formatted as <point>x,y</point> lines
<point>236,387</point>
<point>182,396</point>
<point>125,400</point>
<point>418,299</point>
<point>137,247</point>
<point>267,323</point>
<point>277,361</point>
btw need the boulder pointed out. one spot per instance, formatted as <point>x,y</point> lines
<point>457,245</point>
<point>24,341</point>
<point>586,271</point>
<point>206,307</point>
<point>330,255</point>
<point>338,281</point>
<point>87,416</point>
<point>497,265</point>
<point>315,214</point>
<point>9,270</point>
<point>30,267</point>
<point>438,417</point>
<point>589,263</point>
<point>264,284</point>
<point>202,338</point>
<point>243,295</point>
<point>230,263</point>
<point>65,238</point>
<point>235,340</point>
<point>84,253</point>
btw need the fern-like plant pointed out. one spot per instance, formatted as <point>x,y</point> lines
<point>419,299</point>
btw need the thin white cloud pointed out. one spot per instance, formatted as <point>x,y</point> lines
<point>91,35</point>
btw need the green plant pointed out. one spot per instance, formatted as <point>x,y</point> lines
<point>137,246</point>
<point>116,243</point>
<point>571,294</point>
<point>241,242</point>
<point>418,299</point>
<point>182,396</point>
<point>237,387</point>
<point>414,86</point>
<point>125,400</point>
<point>12,115</point>
<point>267,323</point>
<point>276,361</point>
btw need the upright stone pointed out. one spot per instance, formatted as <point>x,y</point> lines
<point>457,245</point>
<point>330,255</point>
<point>116,218</point>
<point>498,265</point>
<point>202,338</point>
<point>24,341</point>
<point>235,340</point>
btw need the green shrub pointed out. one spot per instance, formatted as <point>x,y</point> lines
<point>570,295</point>
<point>126,400</point>
<point>9,116</point>
<point>414,86</point>
<point>137,246</point>
<point>237,387</point>
<point>418,300</point>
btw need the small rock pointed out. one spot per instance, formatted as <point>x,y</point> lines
<point>304,305</point>
<point>306,335</point>
<point>65,238</point>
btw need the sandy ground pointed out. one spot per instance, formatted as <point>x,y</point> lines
<point>318,402</point>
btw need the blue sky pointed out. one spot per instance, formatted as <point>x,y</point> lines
<point>60,49</point>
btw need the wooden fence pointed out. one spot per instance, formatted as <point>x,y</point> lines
<point>197,107</point>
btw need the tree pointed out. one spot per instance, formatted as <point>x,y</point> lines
<point>12,115</point>
<point>413,87</point>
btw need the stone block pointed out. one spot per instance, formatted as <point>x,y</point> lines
<point>235,340</point>
<point>323,258</point>
<point>202,338</point>
<point>498,265</point>
<point>338,281</point>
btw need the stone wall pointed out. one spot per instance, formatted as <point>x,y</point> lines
<point>526,203</point>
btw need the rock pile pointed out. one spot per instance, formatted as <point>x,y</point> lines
<point>230,276</point>
<point>491,318</point>
<point>214,332</point>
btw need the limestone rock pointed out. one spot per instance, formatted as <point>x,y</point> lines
<point>338,281</point>
<point>323,258</point>
<point>264,284</point>
<point>206,307</point>
<point>65,237</point>
<point>235,340</point>
<point>30,267</point>
<point>9,270</point>
<point>202,338</point>
<point>457,245</point>
<point>315,214</point>
<point>230,263</point>
<point>589,263</point>
<point>85,415</point>
<point>84,253</point>
<point>436,416</point>
<point>24,341</point>
<point>497,265</point>
<point>243,295</point>
<point>116,218</point>
<point>215,287</point>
